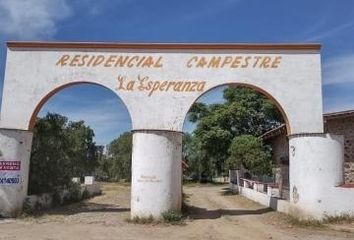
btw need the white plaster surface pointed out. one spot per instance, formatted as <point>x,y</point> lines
<point>16,146</point>
<point>31,74</point>
<point>256,196</point>
<point>316,171</point>
<point>156,173</point>
<point>276,204</point>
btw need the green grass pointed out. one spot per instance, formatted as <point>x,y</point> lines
<point>170,217</point>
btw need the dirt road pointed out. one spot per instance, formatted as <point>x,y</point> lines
<point>212,215</point>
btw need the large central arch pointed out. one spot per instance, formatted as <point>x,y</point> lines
<point>158,83</point>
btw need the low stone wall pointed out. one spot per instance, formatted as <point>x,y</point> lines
<point>266,200</point>
<point>339,195</point>
<point>221,179</point>
<point>46,200</point>
<point>93,189</point>
<point>41,201</point>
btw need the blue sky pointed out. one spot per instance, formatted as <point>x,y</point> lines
<point>329,22</point>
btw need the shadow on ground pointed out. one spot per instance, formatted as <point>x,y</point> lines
<point>203,213</point>
<point>82,207</point>
<point>194,212</point>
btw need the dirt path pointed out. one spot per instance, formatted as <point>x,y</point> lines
<point>212,215</point>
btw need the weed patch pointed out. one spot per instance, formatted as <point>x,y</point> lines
<point>173,217</point>
<point>142,220</point>
<point>340,218</point>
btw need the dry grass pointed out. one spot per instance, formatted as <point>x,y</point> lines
<point>142,220</point>
<point>340,218</point>
<point>310,222</point>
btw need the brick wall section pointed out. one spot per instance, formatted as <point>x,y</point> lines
<point>280,156</point>
<point>349,172</point>
<point>344,126</point>
<point>280,149</point>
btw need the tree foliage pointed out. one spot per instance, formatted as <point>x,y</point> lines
<point>61,149</point>
<point>244,112</point>
<point>249,152</point>
<point>116,164</point>
<point>199,167</point>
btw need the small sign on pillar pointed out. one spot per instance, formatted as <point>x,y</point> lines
<point>10,172</point>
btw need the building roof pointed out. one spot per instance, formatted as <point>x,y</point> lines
<point>193,46</point>
<point>327,116</point>
<point>274,132</point>
<point>341,114</point>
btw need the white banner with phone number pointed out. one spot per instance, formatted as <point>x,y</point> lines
<point>10,172</point>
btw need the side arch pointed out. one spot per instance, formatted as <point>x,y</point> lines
<point>256,88</point>
<point>51,93</point>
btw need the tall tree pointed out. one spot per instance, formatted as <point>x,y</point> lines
<point>244,111</point>
<point>60,150</point>
<point>83,151</point>
<point>249,152</point>
<point>117,162</point>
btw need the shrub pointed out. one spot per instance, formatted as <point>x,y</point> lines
<point>248,151</point>
<point>173,217</point>
<point>85,194</point>
<point>73,193</point>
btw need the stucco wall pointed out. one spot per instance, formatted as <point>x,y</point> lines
<point>156,173</point>
<point>15,145</point>
<point>315,172</point>
<point>32,74</point>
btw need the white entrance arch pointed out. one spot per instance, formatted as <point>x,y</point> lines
<point>158,83</point>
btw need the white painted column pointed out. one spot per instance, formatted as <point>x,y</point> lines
<point>156,173</point>
<point>316,167</point>
<point>15,147</point>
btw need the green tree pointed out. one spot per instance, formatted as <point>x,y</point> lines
<point>249,152</point>
<point>83,153</point>
<point>49,161</point>
<point>200,166</point>
<point>244,111</point>
<point>116,164</point>
<point>60,150</point>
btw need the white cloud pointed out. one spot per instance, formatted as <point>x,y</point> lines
<point>329,32</point>
<point>31,19</point>
<point>339,70</point>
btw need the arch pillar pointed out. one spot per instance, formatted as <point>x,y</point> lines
<point>15,147</point>
<point>156,172</point>
<point>316,169</point>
